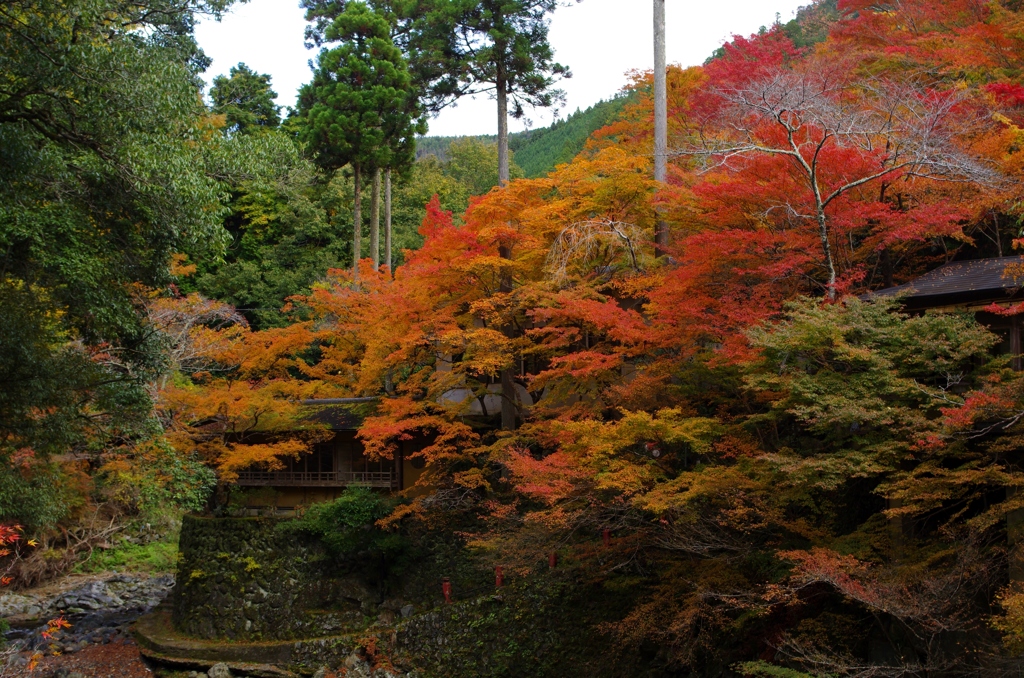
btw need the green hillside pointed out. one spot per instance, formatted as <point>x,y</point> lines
<point>539,151</point>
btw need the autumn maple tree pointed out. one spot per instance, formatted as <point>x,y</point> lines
<point>790,472</point>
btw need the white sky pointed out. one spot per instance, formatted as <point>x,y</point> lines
<point>600,40</point>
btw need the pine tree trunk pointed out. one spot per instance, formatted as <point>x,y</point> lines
<point>357,221</point>
<point>387,220</point>
<point>660,119</point>
<point>503,164</point>
<point>375,221</point>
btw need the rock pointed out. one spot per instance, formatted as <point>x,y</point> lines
<point>357,667</point>
<point>321,672</point>
<point>219,671</point>
<point>408,610</point>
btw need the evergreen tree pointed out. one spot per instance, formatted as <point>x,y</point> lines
<point>498,46</point>
<point>360,110</point>
<point>246,100</point>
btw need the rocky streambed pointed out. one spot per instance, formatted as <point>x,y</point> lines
<point>99,608</point>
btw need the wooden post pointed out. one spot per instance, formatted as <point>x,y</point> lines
<point>606,537</point>
<point>446,590</point>
<point>553,560</point>
<point>499,577</point>
<point>399,480</point>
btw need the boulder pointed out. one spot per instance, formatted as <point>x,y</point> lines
<point>219,671</point>
<point>357,667</point>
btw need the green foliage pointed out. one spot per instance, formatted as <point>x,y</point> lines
<point>426,179</point>
<point>534,152</point>
<point>858,384</point>
<point>360,107</point>
<point>492,45</point>
<point>157,557</point>
<point>812,23</point>
<point>540,151</point>
<point>156,480</point>
<point>288,228</point>
<point>347,525</point>
<point>474,165</point>
<point>37,496</point>
<point>108,165</point>
<point>760,669</point>
<point>246,100</point>
<point>46,380</point>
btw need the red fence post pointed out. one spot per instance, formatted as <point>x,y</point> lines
<point>606,536</point>
<point>553,560</point>
<point>499,577</point>
<point>446,589</point>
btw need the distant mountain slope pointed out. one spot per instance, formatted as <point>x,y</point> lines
<point>539,151</point>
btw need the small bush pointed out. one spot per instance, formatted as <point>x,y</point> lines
<point>347,527</point>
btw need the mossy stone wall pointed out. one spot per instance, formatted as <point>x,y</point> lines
<point>246,579</point>
<point>547,627</point>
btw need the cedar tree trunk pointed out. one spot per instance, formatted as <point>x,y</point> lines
<point>660,120</point>
<point>357,220</point>
<point>387,219</point>
<point>375,221</point>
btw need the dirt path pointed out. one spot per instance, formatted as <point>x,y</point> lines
<point>120,659</point>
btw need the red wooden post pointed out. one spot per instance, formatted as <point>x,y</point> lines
<point>499,577</point>
<point>446,589</point>
<point>553,560</point>
<point>606,536</point>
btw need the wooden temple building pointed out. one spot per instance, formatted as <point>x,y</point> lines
<point>333,465</point>
<point>976,287</point>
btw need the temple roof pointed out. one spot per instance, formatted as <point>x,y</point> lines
<point>963,282</point>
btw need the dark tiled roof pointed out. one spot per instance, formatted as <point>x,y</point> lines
<point>336,417</point>
<point>981,276</point>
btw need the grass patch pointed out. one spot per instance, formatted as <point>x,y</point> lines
<point>158,556</point>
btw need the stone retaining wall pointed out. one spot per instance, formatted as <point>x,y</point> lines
<point>545,627</point>
<point>246,579</point>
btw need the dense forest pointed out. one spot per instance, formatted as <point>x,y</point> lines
<point>792,476</point>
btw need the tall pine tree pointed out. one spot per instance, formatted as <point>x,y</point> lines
<point>360,109</point>
<point>496,46</point>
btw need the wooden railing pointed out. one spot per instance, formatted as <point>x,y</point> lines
<point>313,479</point>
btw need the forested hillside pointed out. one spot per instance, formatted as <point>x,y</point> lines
<point>538,151</point>
<point>769,469</point>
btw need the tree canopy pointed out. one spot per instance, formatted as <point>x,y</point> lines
<point>359,108</point>
<point>245,99</point>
